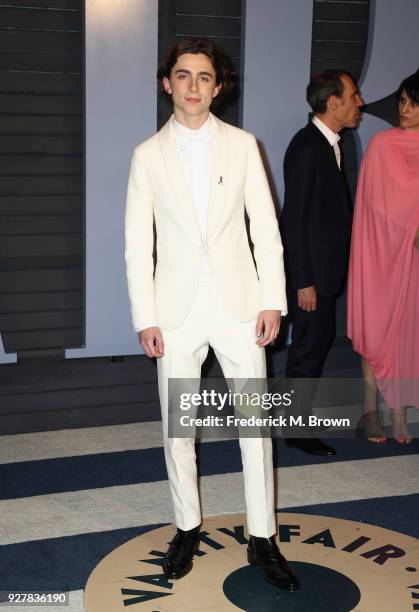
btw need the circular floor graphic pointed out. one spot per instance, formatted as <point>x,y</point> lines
<point>342,566</point>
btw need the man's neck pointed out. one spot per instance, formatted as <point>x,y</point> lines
<point>192,122</point>
<point>331,123</point>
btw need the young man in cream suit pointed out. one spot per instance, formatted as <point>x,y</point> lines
<point>194,179</point>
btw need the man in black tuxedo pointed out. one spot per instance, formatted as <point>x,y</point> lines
<point>316,224</point>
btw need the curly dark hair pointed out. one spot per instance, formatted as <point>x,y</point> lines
<point>224,71</point>
<point>411,86</point>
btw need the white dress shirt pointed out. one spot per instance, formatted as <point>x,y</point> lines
<point>195,151</point>
<point>331,136</point>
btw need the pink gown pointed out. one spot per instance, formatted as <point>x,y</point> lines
<point>383,286</point>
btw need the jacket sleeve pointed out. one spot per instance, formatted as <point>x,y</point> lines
<point>299,177</point>
<point>264,233</point>
<point>139,241</point>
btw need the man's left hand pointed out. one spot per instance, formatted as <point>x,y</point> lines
<point>267,326</point>
<point>416,242</point>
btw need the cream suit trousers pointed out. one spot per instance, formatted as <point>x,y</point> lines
<point>210,323</point>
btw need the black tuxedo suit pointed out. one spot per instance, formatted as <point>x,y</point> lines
<point>315,225</point>
<point>317,214</point>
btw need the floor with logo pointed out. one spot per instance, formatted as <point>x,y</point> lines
<point>95,503</point>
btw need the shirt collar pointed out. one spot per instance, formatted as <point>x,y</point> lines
<point>184,134</point>
<point>331,136</point>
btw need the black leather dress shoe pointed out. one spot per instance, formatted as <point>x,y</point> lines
<point>264,553</point>
<point>312,446</point>
<point>178,560</point>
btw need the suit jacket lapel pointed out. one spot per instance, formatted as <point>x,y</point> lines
<point>174,169</point>
<point>219,175</point>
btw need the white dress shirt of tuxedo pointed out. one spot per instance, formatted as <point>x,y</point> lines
<point>195,150</point>
<point>331,136</point>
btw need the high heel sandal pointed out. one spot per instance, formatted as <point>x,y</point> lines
<point>370,426</point>
<point>400,431</point>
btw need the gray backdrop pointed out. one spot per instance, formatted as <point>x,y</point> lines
<point>277,70</point>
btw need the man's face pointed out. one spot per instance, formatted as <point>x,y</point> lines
<point>192,85</point>
<point>409,112</point>
<point>346,109</point>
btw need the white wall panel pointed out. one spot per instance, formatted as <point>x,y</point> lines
<point>121,64</point>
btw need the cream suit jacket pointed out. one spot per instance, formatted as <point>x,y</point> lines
<point>157,190</point>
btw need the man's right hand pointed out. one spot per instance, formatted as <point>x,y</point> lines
<point>151,339</point>
<point>307,298</point>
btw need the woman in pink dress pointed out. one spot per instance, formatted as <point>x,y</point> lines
<point>383,289</point>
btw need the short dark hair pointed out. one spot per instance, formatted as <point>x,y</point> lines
<point>411,86</point>
<point>224,72</point>
<point>322,86</point>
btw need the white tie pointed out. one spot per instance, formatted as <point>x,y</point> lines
<point>337,153</point>
<point>200,137</point>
